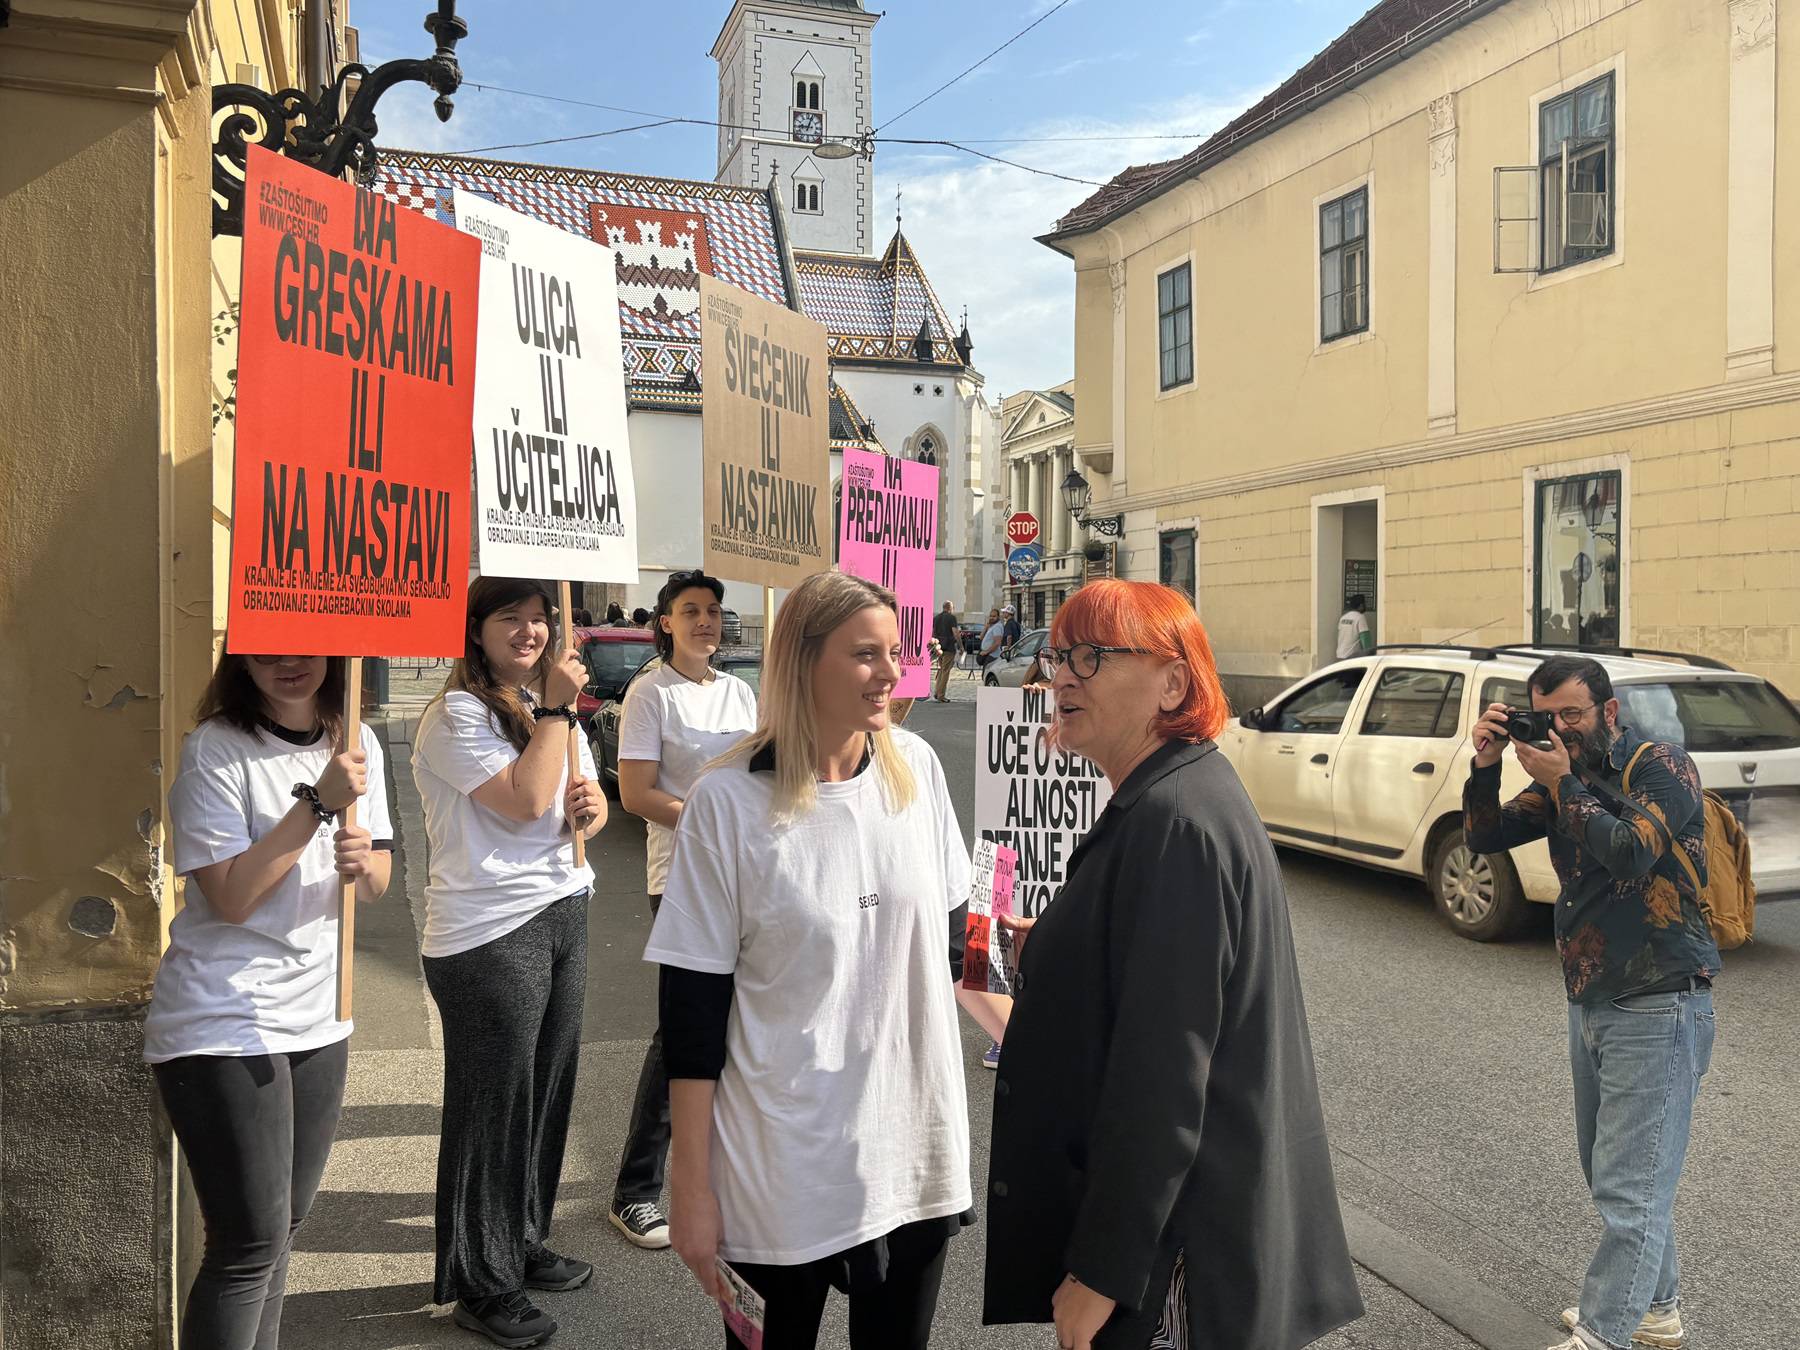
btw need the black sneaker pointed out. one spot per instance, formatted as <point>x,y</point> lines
<point>507,1319</point>
<point>544,1269</point>
<point>642,1223</point>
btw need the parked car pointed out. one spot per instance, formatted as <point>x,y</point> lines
<point>970,630</point>
<point>731,628</point>
<point>611,656</point>
<point>743,662</point>
<point>1018,663</point>
<point>1366,759</point>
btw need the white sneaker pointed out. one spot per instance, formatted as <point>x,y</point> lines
<point>1659,1329</point>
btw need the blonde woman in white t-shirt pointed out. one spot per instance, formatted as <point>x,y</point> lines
<point>810,942</point>
<point>505,953</point>
<point>677,718</point>
<point>242,1032</point>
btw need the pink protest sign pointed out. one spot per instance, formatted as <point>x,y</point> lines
<point>888,534</point>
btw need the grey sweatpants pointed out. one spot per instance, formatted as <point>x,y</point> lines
<point>511,1011</point>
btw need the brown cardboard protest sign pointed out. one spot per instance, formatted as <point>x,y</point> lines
<point>765,439</point>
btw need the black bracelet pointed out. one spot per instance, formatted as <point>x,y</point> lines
<point>565,712</point>
<point>306,792</point>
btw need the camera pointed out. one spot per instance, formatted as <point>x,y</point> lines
<point>1531,727</point>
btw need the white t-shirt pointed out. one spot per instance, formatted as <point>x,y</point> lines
<point>840,1114</point>
<point>489,875</point>
<point>681,727</point>
<point>1350,633</point>
<point>268,985</point>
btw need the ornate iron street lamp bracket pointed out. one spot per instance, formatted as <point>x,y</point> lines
<point>311,130</point>
<point>1076,494</point>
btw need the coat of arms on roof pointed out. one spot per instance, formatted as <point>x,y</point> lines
<point>660,256</point>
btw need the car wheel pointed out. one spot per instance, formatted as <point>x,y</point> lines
<point>991,680</point>
<point>1478,894</point>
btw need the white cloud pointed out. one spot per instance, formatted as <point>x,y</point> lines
<point>1071,66</point>
<point>1198,36</point>
<point>974,227</point>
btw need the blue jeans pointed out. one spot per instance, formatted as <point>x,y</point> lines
<point>1637,1063</point>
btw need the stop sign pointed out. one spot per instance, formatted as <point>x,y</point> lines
<point>1021,529</point>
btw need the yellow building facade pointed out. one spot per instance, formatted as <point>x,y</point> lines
<point>114,534</point>
<point>1485,314</point>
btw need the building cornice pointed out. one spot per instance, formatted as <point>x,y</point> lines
<point>106,48</point>
<point>1708,402</point>
<point>795,11</point>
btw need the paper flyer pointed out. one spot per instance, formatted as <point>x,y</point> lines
<point>743,1307</point>
<point>988,962</point>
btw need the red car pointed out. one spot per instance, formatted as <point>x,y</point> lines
<point>612,656</point>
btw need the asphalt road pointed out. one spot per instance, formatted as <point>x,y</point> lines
<point>1442,1063</point>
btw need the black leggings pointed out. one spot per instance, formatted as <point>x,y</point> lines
<point>645,1158</point>
<point>893,1315</point>
<point>256,1130</point>
<point>511,1010</point>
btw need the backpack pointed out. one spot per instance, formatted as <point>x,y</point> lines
<point>1728,899</point>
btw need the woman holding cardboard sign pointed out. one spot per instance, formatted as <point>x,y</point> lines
<point>242,1032</point>
<point>808,1012</point>
<point>505,953</point>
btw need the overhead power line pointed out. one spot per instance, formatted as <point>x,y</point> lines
<point>978,65</point>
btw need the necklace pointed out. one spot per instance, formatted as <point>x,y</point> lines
<point>689,678</point>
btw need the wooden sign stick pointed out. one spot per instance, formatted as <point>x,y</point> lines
<point>347,897</point>
<point>568,634</point>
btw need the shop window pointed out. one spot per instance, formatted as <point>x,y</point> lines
<point>1577,561</point>
<point>1175,561</point>
<point>1175,326</point>
<point>1344,266</point>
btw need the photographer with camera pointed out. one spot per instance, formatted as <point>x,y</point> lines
<point>1638,962</point>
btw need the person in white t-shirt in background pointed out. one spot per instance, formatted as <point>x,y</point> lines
<point>242,1033</point>
<point>677,719</point>
<point>1354,637</point>
<point>505,953</point>
<point>810,942</point>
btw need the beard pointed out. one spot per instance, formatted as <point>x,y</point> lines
<point>1588,750</point>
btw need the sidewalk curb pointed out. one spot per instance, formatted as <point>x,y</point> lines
<point>1446,1291</point>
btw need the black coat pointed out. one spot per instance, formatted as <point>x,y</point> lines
<point>1156,1093</point>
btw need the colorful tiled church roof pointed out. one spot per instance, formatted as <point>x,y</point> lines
<point>1391,31</point>
<point>878,309</point>
<point>664,232</point>
<point>850,430</point>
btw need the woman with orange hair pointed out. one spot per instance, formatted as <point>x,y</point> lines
<point>1160,1175</point>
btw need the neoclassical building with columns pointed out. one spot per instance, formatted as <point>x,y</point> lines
<point>1037,446</point>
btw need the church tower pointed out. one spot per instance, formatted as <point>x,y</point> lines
<point>794,74</point>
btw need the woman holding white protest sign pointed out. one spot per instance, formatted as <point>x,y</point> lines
<point>1160,1175</point>
<point>505,953</point>
<point>242,1033</point>
<point>677,718</point>
<point>808,1018</point>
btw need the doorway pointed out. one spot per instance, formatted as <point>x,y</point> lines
<point>1349,531</point>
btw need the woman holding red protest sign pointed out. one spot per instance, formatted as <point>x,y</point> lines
<point>505,953</point>
<point>819,880</point>
<point>242,1033</point>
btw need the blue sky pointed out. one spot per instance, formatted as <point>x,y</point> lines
<point>1095,68</point>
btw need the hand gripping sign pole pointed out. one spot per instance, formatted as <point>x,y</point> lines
<point>568,645</point>
<point>347,901</point>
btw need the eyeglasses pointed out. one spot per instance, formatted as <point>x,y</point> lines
<point>1084,657</point>
<point>1571,717</point>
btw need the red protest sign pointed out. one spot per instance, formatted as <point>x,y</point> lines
<point>356,386</point>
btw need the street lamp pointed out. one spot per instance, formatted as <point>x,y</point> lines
<point>855,146</point>
<point>1076,494</point>
<point>311,130</point>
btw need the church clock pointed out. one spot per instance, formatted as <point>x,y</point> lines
<point>809,126</point>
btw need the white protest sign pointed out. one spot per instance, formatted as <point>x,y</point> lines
<point>553,486</point>
<point>1035,800</point>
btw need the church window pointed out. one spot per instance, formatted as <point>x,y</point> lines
<point>927,451</point>
<point>806,197</point>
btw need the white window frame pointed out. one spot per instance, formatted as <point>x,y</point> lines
<point>1162,270</point>
<point>1320,343</point>
<point>1378,495</point>
<point>1615,66</point>
<point>1575,468</point>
